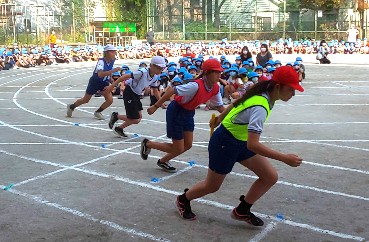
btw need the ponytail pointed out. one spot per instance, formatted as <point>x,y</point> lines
<point>257,89</point>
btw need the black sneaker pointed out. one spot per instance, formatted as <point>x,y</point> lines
<point>243,214</point>
<point>119,131</point>
<point>184,207</point>
<point>144,150</point>
<point>166,166</point>
<point>113,119</point>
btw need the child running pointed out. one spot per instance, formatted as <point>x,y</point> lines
<point>99,83</point>
<point>136,82</point>
<point>237,140</point>
<point>181,111</point>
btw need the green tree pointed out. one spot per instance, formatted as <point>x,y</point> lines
<point>322,4</point>
<point>75,10</point>
<point>133,11</point>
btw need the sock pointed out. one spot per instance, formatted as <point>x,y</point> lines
<point>183,196</point>
<point>100,110</point>
<point>244,207</point>
<point>72,106</point>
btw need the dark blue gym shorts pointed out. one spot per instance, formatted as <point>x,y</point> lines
<point>94,86</point>
<point>225,150</point>
<point>179,120</point>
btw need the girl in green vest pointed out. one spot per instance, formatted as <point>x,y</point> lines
<point>237,140</point>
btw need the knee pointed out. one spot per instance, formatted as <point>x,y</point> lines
<point>136,121</point>
<point>272,178</point>
<point>187,146</point>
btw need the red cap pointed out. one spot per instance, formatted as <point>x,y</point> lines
<point>286,75</point>
<point>212,65</point>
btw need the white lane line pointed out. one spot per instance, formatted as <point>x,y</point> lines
<point>164,178</point>
<point>87,216</point>
<point>335,167</point>
<point>211,203</point>
<point>271,226</point>
<point>348,87</point>
<point>205,167</point>
<point>333,94</point>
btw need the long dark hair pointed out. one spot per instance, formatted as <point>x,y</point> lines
<point>248,55</point>
<point>259,88</point>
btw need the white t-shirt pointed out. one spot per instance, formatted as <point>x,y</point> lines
<point>142,79</point>
<point>352,33</point>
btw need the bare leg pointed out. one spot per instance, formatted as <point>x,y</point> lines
<point>211,184</point>
<point>127,121</point>
<point>85,99</point>
<point>174,149</point>
<point>108,100</point>
<point>267,177</point>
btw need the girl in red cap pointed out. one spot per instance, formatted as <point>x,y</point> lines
<point>180,113</point>
<point>237,140</point>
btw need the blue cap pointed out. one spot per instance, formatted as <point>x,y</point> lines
<point>238,58</point>
<point>172,69</point>
<point>223,57</point>
<point>117,73</point>
<point>125,67</point>
<point>245,63</point>
<point>128,72</point>
<point>233,68</point>
<point>182,70</point>
<point>298,59</point>
<point>270,62</point>
<point>9,53</point>
<point>288,64</point>
<point>163,74</point>
<point>242,71</point>
<point>187,76</point>
<point>258,68</point>
<point>177,79</point>
<point>271,69</point>
<point>252,74</point>
<point>172,64</point>
<point>296,63</point>
<point>192,68</point>
<point>142,63</point>
<point>277,62</point>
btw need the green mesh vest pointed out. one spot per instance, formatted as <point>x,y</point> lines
<point>240,130</point>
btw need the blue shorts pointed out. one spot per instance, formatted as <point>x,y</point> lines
<point>94,86</point>
<point>179,120</point>
<point>225,150</point>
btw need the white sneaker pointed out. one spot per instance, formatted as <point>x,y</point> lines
<point>99,116</point>
<point>69,111</point>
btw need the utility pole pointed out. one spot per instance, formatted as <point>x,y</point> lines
<point>183,20</point>
<point>73,23</point>
<point>284,19</point>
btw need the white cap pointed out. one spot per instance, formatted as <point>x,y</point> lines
<point>109,47</point>
<point>159,61</point>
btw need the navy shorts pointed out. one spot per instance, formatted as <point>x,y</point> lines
<point>132,103</point>
<point>225,150</point>
<point>179,120</point>
<point>94,86</point>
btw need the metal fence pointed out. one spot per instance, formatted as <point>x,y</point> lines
<point>249,19</point>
